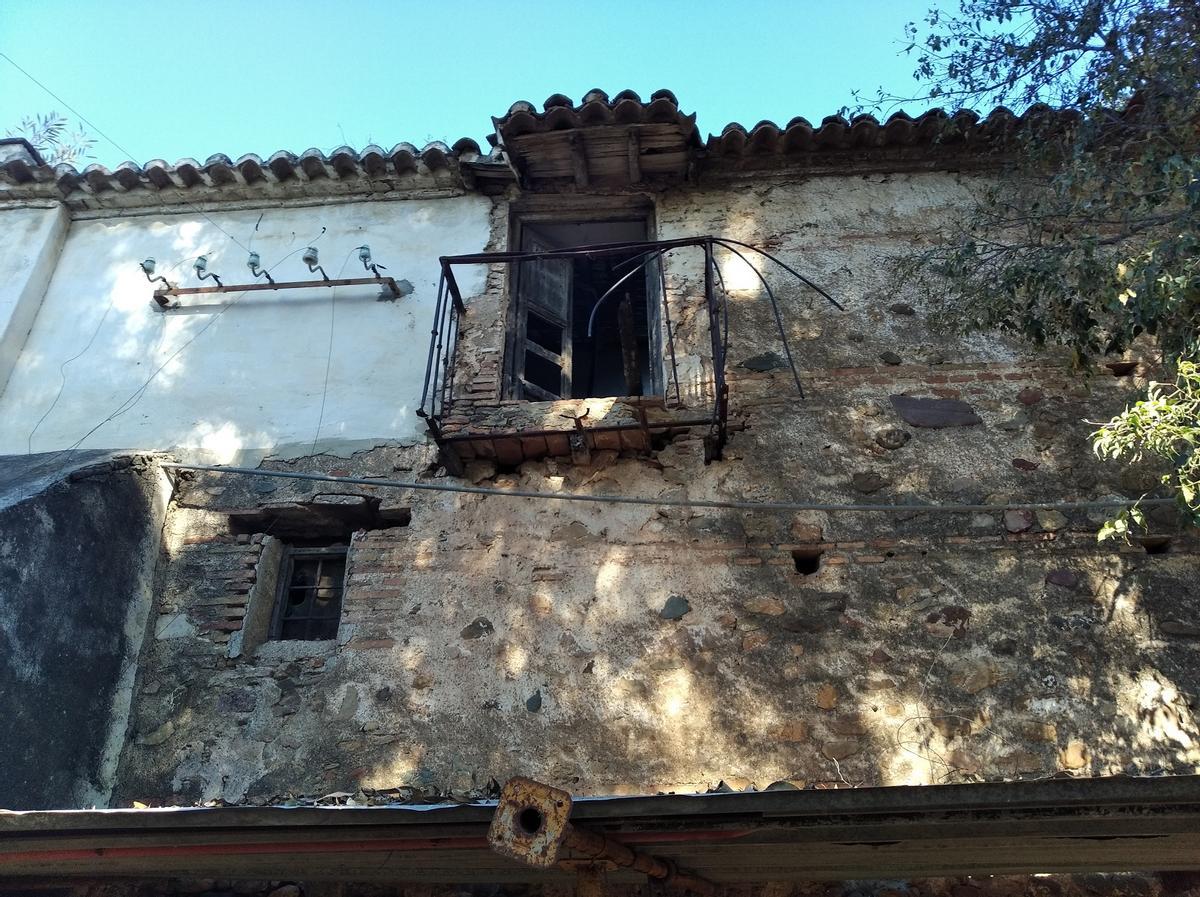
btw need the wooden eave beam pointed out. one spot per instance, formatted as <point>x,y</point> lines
<point>579,163</point>
<point>635,165</point>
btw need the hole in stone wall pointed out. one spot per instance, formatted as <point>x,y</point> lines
<point>807,560</point>
<point>1156,544</point>
<point>1122,368</point>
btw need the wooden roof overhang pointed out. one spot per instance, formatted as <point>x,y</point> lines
<point>600,143</point>
<point>1114,824</point>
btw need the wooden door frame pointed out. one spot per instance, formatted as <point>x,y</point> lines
<point>534,210</point>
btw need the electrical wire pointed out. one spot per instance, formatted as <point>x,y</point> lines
<point>780,506</point>
<point>329,354</point>
<point>91,125</point>
<point>63,378</point>
<point>62,375</point>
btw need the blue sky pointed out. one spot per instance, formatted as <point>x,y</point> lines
<point>171,79</point>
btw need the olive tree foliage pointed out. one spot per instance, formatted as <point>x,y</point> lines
<point>51,136</point>
<point>1090,235</point>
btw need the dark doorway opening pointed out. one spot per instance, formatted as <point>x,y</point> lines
<point>557,301</point>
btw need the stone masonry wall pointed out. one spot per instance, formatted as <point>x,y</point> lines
<point>614,648</point>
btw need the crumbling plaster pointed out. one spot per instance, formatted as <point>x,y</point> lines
<point>611,648</point>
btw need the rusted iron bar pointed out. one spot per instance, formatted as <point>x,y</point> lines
<point>786,267</point>
<point>484,258</point>
<point>442,369</point>
<point>389,282</point>
<point>598,847</point>
<point>452,361</point>
<point>718,355</point>
<point>613,288</point>
<point>787,349</point>
<point>452,283</point>
<point>662,277</point>
<point>431,412</point>
<point>531,826</point>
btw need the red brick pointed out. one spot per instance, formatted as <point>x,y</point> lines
<point>870,558</point>
<point>962,378</point>
<point>747,560</point>
<point>936,378</point>
<point>1018,375</point>
<point>987,375</point>
<point>221,626</point>
<point>205,540</point>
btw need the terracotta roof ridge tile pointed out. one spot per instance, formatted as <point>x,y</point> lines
<point>219,170</point>
<point>25,171</point>
<point>864,130</point>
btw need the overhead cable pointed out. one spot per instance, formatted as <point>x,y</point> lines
<point>767,506</point>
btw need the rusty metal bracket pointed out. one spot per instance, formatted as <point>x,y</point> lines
<point>164,296</point>
<point>530,822</point>
<point>578,419</point>
<point>531,826</point>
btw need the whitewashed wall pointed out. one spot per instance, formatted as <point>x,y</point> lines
<point>30,240</point>
<point>240,373</point>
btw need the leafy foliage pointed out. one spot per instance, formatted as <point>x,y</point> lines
<point>1090,236</point>
<point>1165,425</point>
<point>50,136</point>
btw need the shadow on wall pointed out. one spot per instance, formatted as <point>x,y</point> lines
<point>77,554</point>
<point>609,649</point>
<point>621,649</point>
